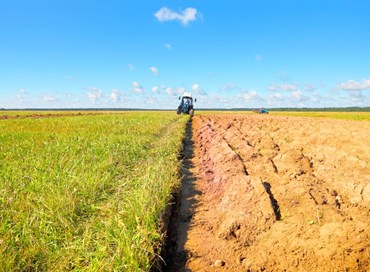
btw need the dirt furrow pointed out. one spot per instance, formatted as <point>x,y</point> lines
<point>278,194</point>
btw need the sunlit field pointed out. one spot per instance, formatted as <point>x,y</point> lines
<point>361,116</point>
<point>13,113</point>
<point>86,192</point>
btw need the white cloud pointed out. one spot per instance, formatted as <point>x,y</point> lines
<point>309,87</point>
<point>49,98</point>
<point>196,89</point>
<point>352,85</point>
<point>180,90</point>
<point>115,96</point>
<point>288,87</point>
<point>283,87</point>
<point>297,95</point>
<point>149,100</point>
<point>186,16</point>
<point>168,46</point>
<point>170,91</point>
<point>19,98</point>
<point>175,91</point>
<point>154,70</point>
<point>68,95</point>
<point>94,93</point>
<point>137,88</point>
<point>275,96</point>
<point>273,88</point>
<point>155,89</point>
<point>248,96</point>
<point>23,91</point>
<point>258,57</point>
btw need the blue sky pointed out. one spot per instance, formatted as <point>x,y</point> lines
<point>143,54</point>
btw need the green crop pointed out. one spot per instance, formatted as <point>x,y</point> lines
<point>86,192</point>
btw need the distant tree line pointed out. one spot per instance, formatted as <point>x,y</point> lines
<point>339,109</point>
<point>334,109</point>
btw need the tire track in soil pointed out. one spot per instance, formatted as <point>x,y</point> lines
<point>265,193</point>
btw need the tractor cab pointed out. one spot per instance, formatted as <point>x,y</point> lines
<point>186,104</point>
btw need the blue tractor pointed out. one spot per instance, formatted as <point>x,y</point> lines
<point>186,104</point>
<point>261,110</point>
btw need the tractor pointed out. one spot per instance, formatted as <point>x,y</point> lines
<point>186,104</point>
<point>261,110</point>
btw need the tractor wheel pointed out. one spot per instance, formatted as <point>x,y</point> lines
<point>191,113</point>
<point>179,110</point>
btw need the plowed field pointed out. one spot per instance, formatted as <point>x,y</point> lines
<point>272,193</point>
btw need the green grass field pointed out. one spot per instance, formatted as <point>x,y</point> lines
<point>86,193</point>
<point>19,113</point>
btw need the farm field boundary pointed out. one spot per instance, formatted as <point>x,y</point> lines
<point>345,115</point>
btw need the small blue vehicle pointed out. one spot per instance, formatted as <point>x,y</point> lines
<point>186,105</point>
<point>261,110</point>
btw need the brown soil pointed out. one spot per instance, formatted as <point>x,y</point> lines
<point>267,193</point>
